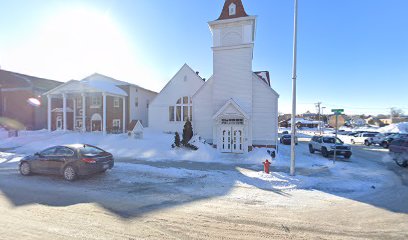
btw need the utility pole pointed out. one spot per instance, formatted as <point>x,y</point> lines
<point>391,115</point>
<point>318,112</point>
<point>292,145</point>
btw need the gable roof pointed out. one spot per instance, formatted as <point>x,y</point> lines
<point>240,11</point>
<point>185,66</point>
<point>264,75</point>
<point>231,102</point>
<point>265,84</point>
<point>13,80</point>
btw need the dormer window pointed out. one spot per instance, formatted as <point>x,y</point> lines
<point>232,9</point>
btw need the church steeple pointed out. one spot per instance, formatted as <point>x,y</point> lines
<point>232,9</point>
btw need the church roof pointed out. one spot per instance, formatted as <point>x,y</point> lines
<point>240,11</point>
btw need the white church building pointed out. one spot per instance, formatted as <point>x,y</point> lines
<point>236,109</point>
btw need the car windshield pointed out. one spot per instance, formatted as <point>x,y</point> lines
<point>87,150</point>
<point>332,140</point>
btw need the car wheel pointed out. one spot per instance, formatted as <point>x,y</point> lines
<point>311,149</point>
<point>401,161</point>
<point>367,143</point>
<point>325,153</point>
<point>25,169</point>
<point>70,173</point>
<point>384,144</point>
<point>347,156</point>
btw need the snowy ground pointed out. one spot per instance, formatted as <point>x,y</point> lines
<point>314,172</point>
<point>155,192</point>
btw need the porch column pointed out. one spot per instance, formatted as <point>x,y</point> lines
<point>74,108</point>
<point>49,99</point>
<point>83,113</point>
<point>124,115</point>
<point>104,114</point>
<point>64,110</point>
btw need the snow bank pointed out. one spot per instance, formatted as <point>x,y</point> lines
<point>395,128</point>
<point>155,146</point>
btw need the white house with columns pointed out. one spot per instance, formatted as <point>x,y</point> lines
<point>236,109</point>
<point>97,104</point>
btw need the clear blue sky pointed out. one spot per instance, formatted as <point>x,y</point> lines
<point>352,54</point>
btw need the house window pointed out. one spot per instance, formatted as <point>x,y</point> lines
<point>182,111</point>
<point>232,9</point>
<point>116,123</point>
<point>81,112</point>
<point>79,102</point>
<point>116,102</point>
<point>95,102</point>
<point>171,113</point>
<point>178,113</point>
<point>136,102</point>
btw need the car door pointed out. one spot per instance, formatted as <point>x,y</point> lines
<point>317,143</point>
<point>40,164</point>
<point>57,162</point>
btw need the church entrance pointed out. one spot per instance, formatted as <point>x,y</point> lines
<point>232,137</point>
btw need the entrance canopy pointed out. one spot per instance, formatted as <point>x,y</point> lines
<point>230,110</point>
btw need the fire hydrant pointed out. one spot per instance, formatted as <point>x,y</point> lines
<point>266,166</point>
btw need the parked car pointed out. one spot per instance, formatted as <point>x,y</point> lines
<point>378,138</point>
<point>327,145</point>
<point>362,138</point>
<point>70,161</point>
<point>399,151</point>
<point>287,139</point>
<point>385,143</point>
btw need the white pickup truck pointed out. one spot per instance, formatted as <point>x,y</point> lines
<point>362,138</point>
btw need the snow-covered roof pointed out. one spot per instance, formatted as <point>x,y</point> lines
<point>304,121</point>
<point>94,83</point>
<point>105,84</point>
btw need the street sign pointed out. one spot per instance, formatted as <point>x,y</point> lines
<point>337,111</point>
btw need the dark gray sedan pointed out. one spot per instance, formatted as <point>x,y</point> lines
<point>70,161</point>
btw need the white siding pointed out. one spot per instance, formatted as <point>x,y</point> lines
<point>265,114</point>
<point>140,112</point>
<point>233,77</point>
<point>185,83</point>
<point>203,112</point>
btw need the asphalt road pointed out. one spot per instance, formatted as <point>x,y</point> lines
<point>102,207</point>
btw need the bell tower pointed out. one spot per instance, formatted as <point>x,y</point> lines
<point>233,43</point>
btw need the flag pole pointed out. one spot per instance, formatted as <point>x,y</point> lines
<point>293,124</point>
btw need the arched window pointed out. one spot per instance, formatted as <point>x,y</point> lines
<point>182,110</point>
<point>232,9</point>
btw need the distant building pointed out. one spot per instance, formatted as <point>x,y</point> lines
<point>21,99</point>
<point>301,123</point>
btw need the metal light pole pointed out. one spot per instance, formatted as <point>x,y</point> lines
<point>292,145</point>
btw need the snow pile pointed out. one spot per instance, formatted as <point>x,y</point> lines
<point>155,146</point>
<point>395,128</point>
<point>3,133</point>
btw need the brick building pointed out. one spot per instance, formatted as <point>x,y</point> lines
<point>21,99</point>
